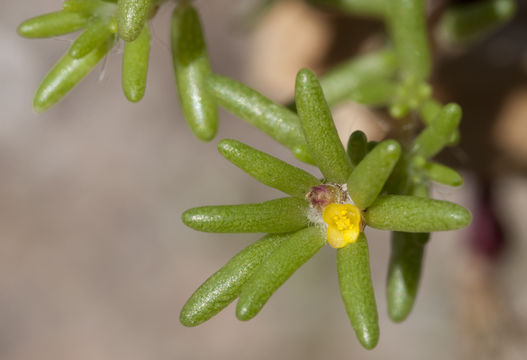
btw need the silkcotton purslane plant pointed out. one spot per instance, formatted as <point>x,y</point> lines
<point>333,210</point>
<point>381,185</point>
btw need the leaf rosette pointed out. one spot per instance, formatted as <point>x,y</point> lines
<point>333,210</point>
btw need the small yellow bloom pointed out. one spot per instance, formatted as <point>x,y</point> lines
<point>344,224</point>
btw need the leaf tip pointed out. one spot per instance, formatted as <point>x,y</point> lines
<point>134,96</point>
<point>393,147</point>
<point>24,29</point>
<point>456,181</point>
<point>190,218</point>
<point>461,217</point>
<point>302,153</point>
<point>304,75</point>
<point>186,318</point>
<point>453,110</point>
<point>397,314</point>
<point>369,341</point>
<point>243,312</point>
<point>40,104</point>
<point>205,133</point>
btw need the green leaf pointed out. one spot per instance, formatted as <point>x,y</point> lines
<point>319,130</point>
<point>399,109</point>
<point>275,216</point>
<point>131,17</point>
<point>454,138</point>
<point>96,33</point>
<point>98,7</point>
<point>356,288</point>
<point>339,83</point>
<point>438,134</point>
<point>407,22</point>
<point>267,169</point>
<point>53,24</point>
<point>67,73</point>
<point>81,5</point>
<point>135,66</point>
<point>375,93</point>
<point>410,94</point>
<point>416,214</point>
<point>275,120</point>
<point>405,266</point>
<point>224,286</point>
<point>370,175</point>
<point>467,22</point>
<point>429,110</point>
<point>191,67</point>
<point>442,174</point>
<point>357,147</point>
<point>404,272</point>
<point>420,189</point>
<point>276,269</point>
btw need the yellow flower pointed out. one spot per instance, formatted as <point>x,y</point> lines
<point>344,224</point>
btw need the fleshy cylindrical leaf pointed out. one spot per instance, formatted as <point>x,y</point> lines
<point>224,286</point>
<point>319,130</point>
<point>443,174</point>
<point>95,34</point>
<point>469,21</point>
<point>275,120</point>
<point>404,272</point>
<point>370,175</point>
<point>67,73</point>
<point>267,169</point>
<point>191,67</point>
<point>95,7</point>
<point>416,214</point>
<point>275,216</point>
<point>429,110</point>
<point>375,93</point>
<point>276,269</point>
<point>135,65</point>
<point>53,24</point>
<point>454,138</point>
<point>407,22</point>
<point>436,135</point>
<point>357,147</point>
<point>131,17</point>
<point>339,83</point>
<point>421,189</point>
<point>356,288</point>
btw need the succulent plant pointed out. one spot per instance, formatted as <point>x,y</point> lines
<point>383,185</point>
<point>333,210</point>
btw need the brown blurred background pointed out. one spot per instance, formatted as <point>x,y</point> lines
<point>96,264</point>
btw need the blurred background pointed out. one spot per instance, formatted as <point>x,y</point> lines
<point>96,264</point>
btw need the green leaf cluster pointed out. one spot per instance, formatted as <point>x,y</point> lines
<point>104,22</point>
<point>388,181</point>
<point>296,232</point>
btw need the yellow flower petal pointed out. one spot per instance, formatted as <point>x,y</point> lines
<point>344,224</point>
<point>335,238</point>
